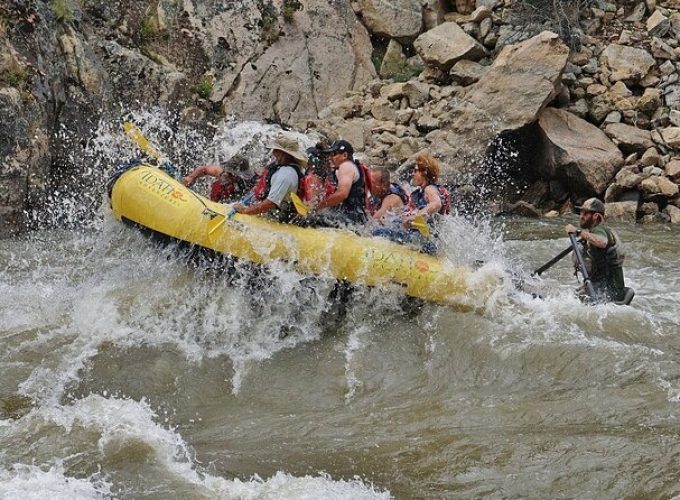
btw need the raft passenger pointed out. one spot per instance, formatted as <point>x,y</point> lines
<point>277,181</point>
<point>347,204</point>
<point>316,182</point>
<point>386,197</point>
<point>228,185</point>
<point>427,200</point>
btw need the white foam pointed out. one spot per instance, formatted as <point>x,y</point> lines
<point>30,482</point>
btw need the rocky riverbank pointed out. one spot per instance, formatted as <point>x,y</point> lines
<point>533,119</point>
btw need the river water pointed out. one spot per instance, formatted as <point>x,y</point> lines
<point>127,373</point>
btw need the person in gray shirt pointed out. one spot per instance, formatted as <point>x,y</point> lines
<point>279,179</point>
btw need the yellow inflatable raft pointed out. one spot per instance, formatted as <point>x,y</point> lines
<point>147,196</point>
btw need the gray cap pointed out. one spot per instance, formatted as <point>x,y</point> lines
<point>591,205</point>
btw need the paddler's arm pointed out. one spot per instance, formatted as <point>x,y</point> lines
<point>257,208</point>
<point>434,205</point>
<point>597,240</point>
<point>434,201</point>
<point>391,202</point>
<point>345,178</point>
<point>202,171</point>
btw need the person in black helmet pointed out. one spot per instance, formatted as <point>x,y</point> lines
<point>347,204</point>
<point>602,251</point>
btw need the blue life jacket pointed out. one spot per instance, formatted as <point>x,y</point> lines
<point>418,200</point>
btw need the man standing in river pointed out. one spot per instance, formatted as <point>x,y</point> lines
<point>601,251</point>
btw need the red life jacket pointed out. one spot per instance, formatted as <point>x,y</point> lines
<point>226,191</point>
<point>306,191</point>
<point>264,182</point>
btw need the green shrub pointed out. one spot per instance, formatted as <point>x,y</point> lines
<point>62,11</point>
<point>406,72</point>
<point>377,56</point>
<point>269,23</point>
<point>204,88</point>
<point>148,31</point>
<point>289,8</point>
<point>16,76</point>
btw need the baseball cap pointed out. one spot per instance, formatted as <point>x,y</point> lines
<point>591,205</point>
<point>340,146</point>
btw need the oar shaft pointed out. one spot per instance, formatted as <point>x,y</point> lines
<point>582,266</point>
<point>552,261</point>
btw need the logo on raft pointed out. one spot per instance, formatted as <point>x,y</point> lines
<point>390,260</point>
<point>157,184</point>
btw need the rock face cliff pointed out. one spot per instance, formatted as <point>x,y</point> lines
<point>66,65</point>
<point>592,109</point>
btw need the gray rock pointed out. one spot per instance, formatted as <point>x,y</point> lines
<point>621,211</point>
<point>613,117</point>
<point>446,44</point>
<point>400,19</point>
<point>579,108</point>
<point>467,72</point>
<point>658,24</point>
<point>626,63</point>
<point>629,139</point>
<point>578,153</point>
<point>394,61</point>
<point>652,171</point>
<point>674,117</point>
<point>661,50</point>
<point>671,96</point>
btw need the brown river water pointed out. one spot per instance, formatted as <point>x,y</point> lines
<point>126,373</point>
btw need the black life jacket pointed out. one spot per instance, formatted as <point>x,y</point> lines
<point>354,206</point>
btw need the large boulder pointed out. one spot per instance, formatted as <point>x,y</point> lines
<point>578,153</point>
<point>400,19</point>
<point>523,79</point>
<point>626,63</point>
<point>446,44</point>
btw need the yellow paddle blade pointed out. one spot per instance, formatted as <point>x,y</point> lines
<point>218,221</point>
<point>420,224</point>
<point>300,206</point>
<point>215,224</point>
<point>136,135</point>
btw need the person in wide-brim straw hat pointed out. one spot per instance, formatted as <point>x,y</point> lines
<point>280,179</point>
<point>289,146</point>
